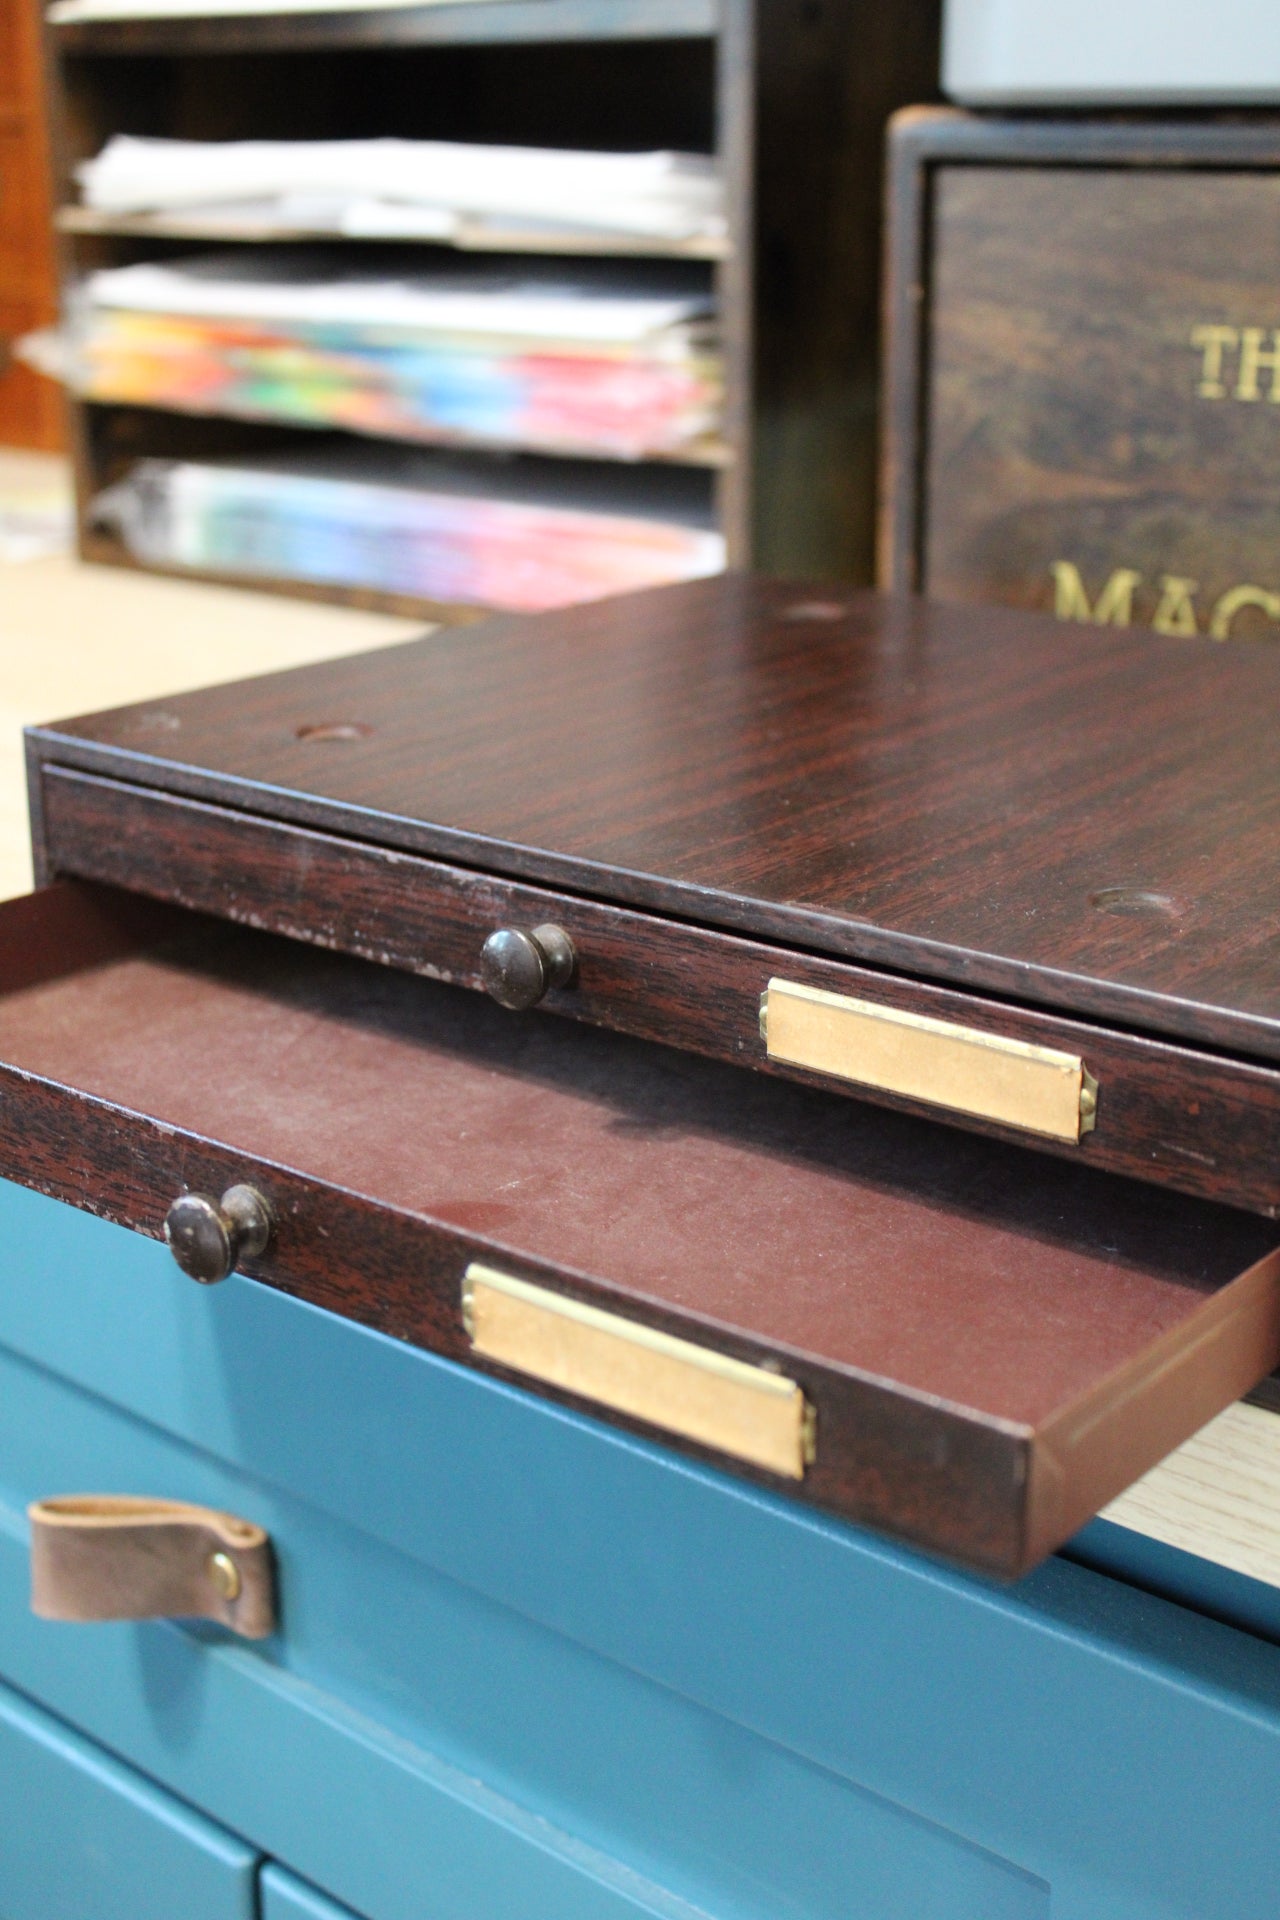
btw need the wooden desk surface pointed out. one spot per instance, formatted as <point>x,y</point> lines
<point>1218,1496</point>
<point>74,637</point>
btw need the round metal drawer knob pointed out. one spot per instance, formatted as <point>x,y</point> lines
<point>518,969</point>
<point>209,1238</point>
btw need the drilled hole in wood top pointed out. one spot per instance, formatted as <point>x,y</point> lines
<point>335,730</point>
<point>816,610</point>
<point>1134,900</point>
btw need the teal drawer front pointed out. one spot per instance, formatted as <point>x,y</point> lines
<point>284,1898</point>
<point>84,1838</point>
<point>531,1666</point>
<point>495,1764</point>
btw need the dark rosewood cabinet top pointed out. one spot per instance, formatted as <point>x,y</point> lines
<point>1083,818</point>
<point>742,792</point>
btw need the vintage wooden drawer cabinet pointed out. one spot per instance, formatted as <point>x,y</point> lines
<point>1083,321</point>
<point>883,1133</point>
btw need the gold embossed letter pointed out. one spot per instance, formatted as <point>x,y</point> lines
<point>1114,605</point>
<point>1213,342</point>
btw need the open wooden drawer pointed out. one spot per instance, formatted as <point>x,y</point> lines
<point>967,1345</point>
<point>956,861</point>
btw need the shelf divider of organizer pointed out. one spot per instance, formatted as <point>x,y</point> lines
<point>469,237</point>
<point>474,23</point>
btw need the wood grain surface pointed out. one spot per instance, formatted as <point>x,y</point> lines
<point>1217,1497</point>
<point>1074,817</point>
<point>1085,327</point>
<point>1200,1122</point>
<point>995,1344</point>
<point>30,407</point>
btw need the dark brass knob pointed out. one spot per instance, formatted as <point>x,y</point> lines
<point>519,968</point>
<point>209,1238</point>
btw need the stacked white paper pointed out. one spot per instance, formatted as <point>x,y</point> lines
<point>411,188</point>
<point>285,290</point>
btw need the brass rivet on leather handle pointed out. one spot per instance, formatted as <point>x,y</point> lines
<point>225,1575</point>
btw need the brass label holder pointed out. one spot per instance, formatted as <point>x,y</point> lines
<point>939,1062</point>
<point>729,1405</point>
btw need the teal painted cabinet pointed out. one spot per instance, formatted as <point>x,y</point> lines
<point>530,1666</point>
<point>284,1898</point>
<point>84,1838</point>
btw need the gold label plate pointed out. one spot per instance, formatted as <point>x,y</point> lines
<point>935,1061</point>
<point>737,1409</point>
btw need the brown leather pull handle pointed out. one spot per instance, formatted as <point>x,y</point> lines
<point>103,1556</point>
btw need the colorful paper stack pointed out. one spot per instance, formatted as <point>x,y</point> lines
<point>499,539</point>
<point>616,362</point>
